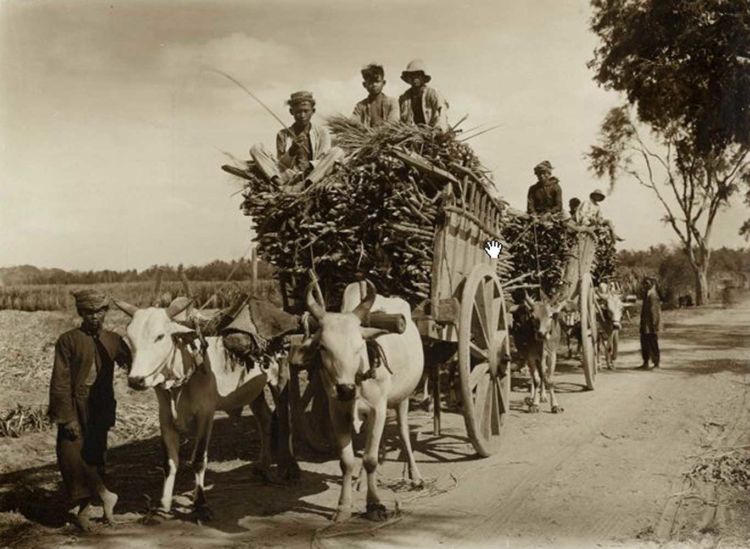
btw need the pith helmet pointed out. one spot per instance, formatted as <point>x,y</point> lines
<point>598,192</point>
<point>415,65</point>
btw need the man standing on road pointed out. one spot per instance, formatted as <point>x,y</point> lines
<point>304,151</point>
<point>377,108</point>
<point>651,324</point>
<point>82,403</point>
<point>545,196</point>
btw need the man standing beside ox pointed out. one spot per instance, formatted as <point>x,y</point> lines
<point>82,404</point>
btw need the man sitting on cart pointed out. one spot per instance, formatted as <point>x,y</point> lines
<point>545,196</point>
<point>422,104</point>
<point>589,214</point>
<point>304,151</point>
<point>377,108</point>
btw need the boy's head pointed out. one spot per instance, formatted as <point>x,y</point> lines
<point>573,204</point>
<point>301,106</point>
<point>416,74</point>
<point>373,77</point>
<point>543,170</point>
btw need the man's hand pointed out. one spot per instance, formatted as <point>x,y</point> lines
<point>72,430</point>
<point>300,140</point>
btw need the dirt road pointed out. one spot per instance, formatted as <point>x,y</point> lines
<point>608,472</point>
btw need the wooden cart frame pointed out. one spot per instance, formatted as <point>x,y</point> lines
<point>466,310</point>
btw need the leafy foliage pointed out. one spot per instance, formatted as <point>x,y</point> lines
<point>684,67</point>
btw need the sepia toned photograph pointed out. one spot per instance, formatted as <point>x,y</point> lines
<point>337,274</point>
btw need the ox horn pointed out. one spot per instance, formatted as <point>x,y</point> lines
<point>529,302</point>
<point>364,307</point>
<point>125,307</point>
<point>157,286</point>
<point>177,306</point>
<point>312,304</point>
<point>186,286</point>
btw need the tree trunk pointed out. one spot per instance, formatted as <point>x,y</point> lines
<point>701,284</point>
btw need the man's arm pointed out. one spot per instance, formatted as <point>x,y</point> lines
<point>558,199</point>
<point>61,406</point>
<point>357,113</point>
<point>325,142</point>
<point>123,357</point>
<point>285,161</point>
<point>655,306</point>
<point>530,202</point>
<point>394,111</point>
<point>439,108</point>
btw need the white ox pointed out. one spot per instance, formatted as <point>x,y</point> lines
<point>609,319</point>
<point>191,385</point>
<point>356,393</point>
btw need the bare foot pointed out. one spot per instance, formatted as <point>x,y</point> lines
<point>82,521</point>
<point>109,500</point>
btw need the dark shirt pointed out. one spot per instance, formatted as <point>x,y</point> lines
<point>544,198</point>
<point>651,322</point>
<point>416,107</point>
<point>72,396</point>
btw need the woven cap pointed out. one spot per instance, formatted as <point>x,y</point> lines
<point>90,299</point>
<point>301,97</point>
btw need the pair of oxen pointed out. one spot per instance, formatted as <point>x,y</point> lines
<point>538,327</point>
<point>194,376</point>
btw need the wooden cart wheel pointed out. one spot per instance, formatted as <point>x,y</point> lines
<point>484,358</point>
<point>309,406</point>
<point>588,331</point>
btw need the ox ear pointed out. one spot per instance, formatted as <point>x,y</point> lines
<point>303,351</point>
<point>361,311</point>
<point>125,307</point>
<point>178,306</point>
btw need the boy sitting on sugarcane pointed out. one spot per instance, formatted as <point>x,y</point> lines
<point>377,108</point>
<point>422,104</point>
<point>304,151</point>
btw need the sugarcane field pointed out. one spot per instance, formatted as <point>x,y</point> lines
<point>351,274</point>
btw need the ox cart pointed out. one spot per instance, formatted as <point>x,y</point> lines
<point>463,322</point>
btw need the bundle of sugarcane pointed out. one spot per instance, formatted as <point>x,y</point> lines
<point>541,246</point>
<point>374,217</point>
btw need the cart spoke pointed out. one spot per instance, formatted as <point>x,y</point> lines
<point>479,372</point>
<point>482,406</point>
<point>478,352</point>
<point>496,405</point>
<point>482,332</point>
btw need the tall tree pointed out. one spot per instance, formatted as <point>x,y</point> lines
<point>684,69</point>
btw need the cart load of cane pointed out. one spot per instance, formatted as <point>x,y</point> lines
<point>374,216</point>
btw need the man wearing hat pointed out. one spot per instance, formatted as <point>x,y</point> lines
<point>377,108</point>
<point>545,196</point>
<point>82,404</point>
<point>589,213</point>
<point>651,324</point>
<point>304,151</point>
<point>421,104</point>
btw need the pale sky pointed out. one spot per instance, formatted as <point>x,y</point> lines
<point>111,132</point>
